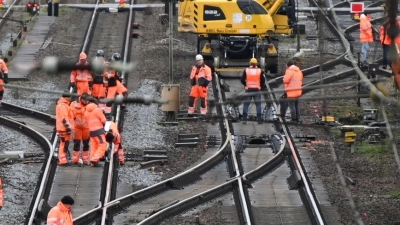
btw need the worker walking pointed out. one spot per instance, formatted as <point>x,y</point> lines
<point>81,131</point>
<point>200,77</point>
<point>293,81</point>
<point>365,37</point>
<point>64,126</point>
<point>254,81</point>
<point>113,135</point>
<point>61,213</point>
<point>96,121</point>
<point>3,77</point>
<point>82,80</point>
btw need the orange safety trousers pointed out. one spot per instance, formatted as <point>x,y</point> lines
<point>99,91</point>
<point>2,88</point>
<point>396,63</point>
<point>63,147</point>
<point>195,93</point>
<point>82,87</point>
<point>98,147</point>
<point>81,135</point>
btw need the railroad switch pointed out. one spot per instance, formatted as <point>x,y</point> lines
<point>188,140</point>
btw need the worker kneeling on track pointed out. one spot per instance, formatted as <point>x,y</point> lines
<point>200,77</point>
<point>113,83</point>
<point>96,120</point>
<point>113,135</point>
<point>81,131</point>
<point>64,126</point>
<point>254,81</point>
<point>82,80</point>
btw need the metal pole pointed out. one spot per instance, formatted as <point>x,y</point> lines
<point>321,49</point>
<point>171,36</point>
<point>297,25</point>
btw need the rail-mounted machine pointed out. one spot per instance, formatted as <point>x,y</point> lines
<point>230,32</point>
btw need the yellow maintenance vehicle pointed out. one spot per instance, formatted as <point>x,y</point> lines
<point>230,32</point>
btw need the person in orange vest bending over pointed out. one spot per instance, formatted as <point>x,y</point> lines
<point>200,77</point>
<point>1,194</point>
<point>81,131</point>
<point>112,79</point>
<point>254,81</point>
<point>64,126</point>
<point>293,81</point>
<point>82,80</point>
<point>96,121</point>
<point>3,77</point>
<point>365,37</point>
<point>61,213</point>
<point>99,88</point>
<point>113,135</point>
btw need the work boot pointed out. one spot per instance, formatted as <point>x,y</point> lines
<point>260,122</point>
<point>75,156</point>
<point>85,156</point>
<point>94,164</point>
<point>121,163</point>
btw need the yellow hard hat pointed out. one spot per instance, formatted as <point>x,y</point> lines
<point>253,61</point>
<point>82,55</point>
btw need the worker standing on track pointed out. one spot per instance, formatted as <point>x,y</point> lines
<point>82,80</point>
<point>99,88</point>
<point>61,213</point>
<point>396,62</point>
<point>365,37</point>
<point>96,121</point>
<point>64,126</point>
<point>81,131</point>
<point>113,135</point>
<point>112,79</point>
<point>254,81</point>
<point>293,81</point>
<point>200,77</point>
<point>3,76</point>
<point>385,41</point>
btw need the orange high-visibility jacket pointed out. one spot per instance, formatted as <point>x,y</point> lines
<point>365,29</point>
<point>95,119</point>
<point>253,78</point>
<point>293,81</point>
<point>59,215</point>
<point>78,110</point>
<point>64,115</point>
<point>81,75</point>
<point>204,72</point>
<point>3,66</point>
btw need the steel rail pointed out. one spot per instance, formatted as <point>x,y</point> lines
<point>220,190</point>
<point>29,112</point>
<point>43,142</point>
<point>50,169</point>
<point>117,121</point>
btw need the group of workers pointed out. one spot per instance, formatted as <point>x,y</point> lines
<point>254,82</point>
<point>86,119</point>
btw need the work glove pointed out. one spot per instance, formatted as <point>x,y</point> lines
<point>203,82</point>
<point>68,130</point>
<point>73,85</point>
<point>193,81</point>
<point>5,78</point>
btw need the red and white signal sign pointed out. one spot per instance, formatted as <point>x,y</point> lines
<point>356,7</point>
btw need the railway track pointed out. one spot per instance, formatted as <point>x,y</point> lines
<point>242,172</point>
<point>92,187</point>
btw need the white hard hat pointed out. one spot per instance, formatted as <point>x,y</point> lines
<point>199,57</point>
